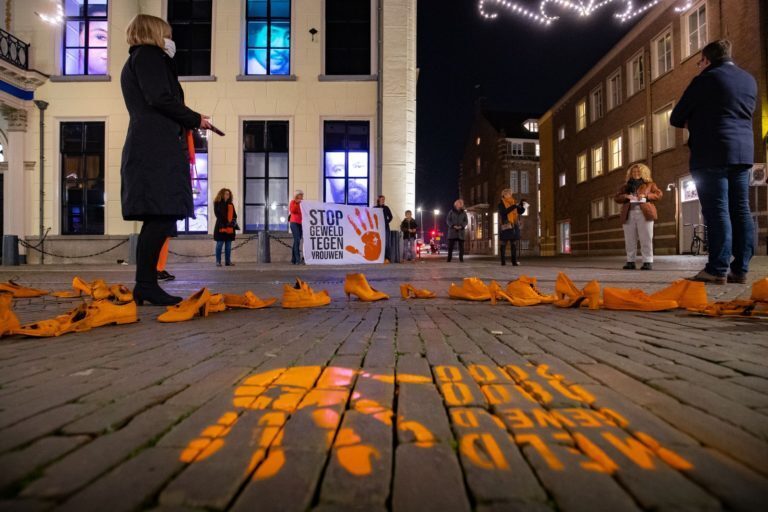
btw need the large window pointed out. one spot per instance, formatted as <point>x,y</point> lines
<point>614,208</point>
<point>596,104</point>
<point>265,175</point>
<point>614,90</point>
<point>268,37</point>
<point>614,149</point>
<point>636,74</point>
<point>581,168</point>
<point>513,181</point>
<point>525,178</point>
<point>637,146</point>
<point>86,37</point>
<point>695,29</point>
<point>347,37</point>
<point>514,148</point>
<point>82,178</point>
<point>581,115</point>
<point>598,208</point>
<point>663,132</point>
<point>346,162</point>
<point>191,24</point>
<point>597,161</point>
<point>561,132</point>
<point>564,237</point>
<point>662,54</point>
<point>199,176</point>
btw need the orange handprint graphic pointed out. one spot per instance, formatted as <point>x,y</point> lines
<point>370,238</point>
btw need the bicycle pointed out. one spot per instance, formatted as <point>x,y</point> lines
<point>699,242</point>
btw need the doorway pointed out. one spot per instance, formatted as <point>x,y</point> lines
<point>690,212</point>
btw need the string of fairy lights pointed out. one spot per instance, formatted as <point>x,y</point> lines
<point>490,9</point>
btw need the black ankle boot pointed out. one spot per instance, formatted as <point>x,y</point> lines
<point>630,265</point>
<point>154,295</point>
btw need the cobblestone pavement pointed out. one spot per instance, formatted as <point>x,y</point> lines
<point>397,405</point>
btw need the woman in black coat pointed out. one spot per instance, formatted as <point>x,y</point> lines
<point>156,185</point>
<point>509,225</point>
<point>226,223</point>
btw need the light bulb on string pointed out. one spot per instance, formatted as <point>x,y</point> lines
<point>582,8</point>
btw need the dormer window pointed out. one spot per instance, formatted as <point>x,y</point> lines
<point>532,125</point>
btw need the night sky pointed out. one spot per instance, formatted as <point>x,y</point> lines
<point>512,63</point>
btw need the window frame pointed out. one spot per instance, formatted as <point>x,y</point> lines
<point>614,208</point>
<point>597,171</point>
<point>581,115</point>
<point>685,29</point>
<point>655,71</point>
<point>613,87</point>
<point>269,20</point>
<point>620,136</point>
<point>561,132</point>
<point>670,129</point>
<point>596,107</point>
<point>600,203</point>
<point>372,53</point>
<point>87,47</point>
<point>369,151</point>
<point>179,50</point>
<point>62,181</point>
<point>185,229</point>
<point>564,243</point>
<point>582,172</point>
<point>638,57</point>
<point>631,142</point>
<point>562,180</point>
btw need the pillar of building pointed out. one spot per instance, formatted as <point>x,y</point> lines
<point>13,184</point>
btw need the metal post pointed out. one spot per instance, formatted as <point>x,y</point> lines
<point>380,96</point>
<point>42,105</point>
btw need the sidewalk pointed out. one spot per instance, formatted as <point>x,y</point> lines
<point>432,405</point>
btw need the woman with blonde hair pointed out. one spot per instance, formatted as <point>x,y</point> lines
<point>226,225</point>
<point>509,225</point>
<point>155,181</point>
<point>638,213</point>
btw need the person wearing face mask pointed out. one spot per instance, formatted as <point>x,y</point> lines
<point>155,183</point>
<point>638,213</point>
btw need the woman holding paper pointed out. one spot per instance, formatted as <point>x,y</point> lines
<point>637,196</point>
<point>294,208</point>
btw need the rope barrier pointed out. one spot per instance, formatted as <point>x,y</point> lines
<point>48,253</point>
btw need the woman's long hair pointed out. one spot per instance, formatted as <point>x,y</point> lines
<point>220,196</point>
<point>645,172</point>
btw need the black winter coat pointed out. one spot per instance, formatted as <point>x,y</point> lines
<point>220,210</point>
<point>154,172</point>
<point>514,233</point>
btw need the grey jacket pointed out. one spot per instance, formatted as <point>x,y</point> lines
<point>456,218</point>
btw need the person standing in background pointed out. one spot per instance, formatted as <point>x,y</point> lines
<point>387,219</point>
<point>294,209</point>
<point>638,214</point>
<point>457,221</point>
<point>408,227</point>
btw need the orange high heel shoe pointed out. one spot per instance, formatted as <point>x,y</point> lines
<point>760,290</point>
<point>592,293</point>
<point>8,319</point>
<point>121,293</point>
<point>100,290</point>
<point>687,294</point>
<point>407,291</point>
<point>248,301</point>
<point>568,296</point>
<point>357,285</point>
<point>195,305</point>
<point>105,312</point>
<point>81,285</point>
<point>302,296</point>
<point>525,292</point>
<point>471,288</point>
<point>21,292</point>
<point>635,300</point>
<point>216,303</point>
<point>74,321</point>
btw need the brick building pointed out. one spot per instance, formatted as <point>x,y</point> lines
<point>502,152</point>
<point>618,113</point>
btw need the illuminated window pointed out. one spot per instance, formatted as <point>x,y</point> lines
<point>82,178</point>
<point>564,237</point>
<point>614,90</point>
<point>598,208</point>
<point>524,182</point>
<point>515,148</point>
<point>695,29</point>
<point>636,74</point>
<point>477,142</point>
<point>662,53</point>
<point>268,37</point>
<point>663,132</point>
<point>347,37</point>
<point>513,181</point>
<point>265,175</point>
<point>597,161</point>
<point>346,151</point>
<point>86,37</point>
<point>614,208</point>
<point>531,125</point>
<point>561,133</point>
<point>190,21</point>
<point>614,148</point>
<point>478,165</point>
<point>581,168</point>
<point>637,141</point>
<point>581,115</point>
<point>199,176</point>
<point>561,179</point>
<point>596,104</point>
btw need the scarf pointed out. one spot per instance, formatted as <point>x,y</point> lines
<point>511,216</point>
<point>633,185</point>
<point>230,217</point>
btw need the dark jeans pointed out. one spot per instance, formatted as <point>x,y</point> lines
<point>227,244</point>
<point>296,251</point>
<point>452,241</point>
<point>387,254</point>
<point>724,197</point>
<point>152,236</point>
<point>503,250</point>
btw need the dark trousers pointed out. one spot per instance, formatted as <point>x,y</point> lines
<point>452,241</point>
<point>227,245</point>
<point>387,254</point>
<point>152,236</point>
<point>724,197</point>
<point>503,250</point>
<point>296,250</point>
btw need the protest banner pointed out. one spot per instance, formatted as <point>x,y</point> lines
<point>337,234</point>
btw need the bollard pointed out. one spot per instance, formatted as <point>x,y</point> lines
<point>264,253</point>
<point>133,244</point>
<point>10,250</point>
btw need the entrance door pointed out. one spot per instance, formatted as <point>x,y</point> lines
<point>690,212</point>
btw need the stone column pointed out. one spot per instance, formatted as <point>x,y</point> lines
<point>13,200</point>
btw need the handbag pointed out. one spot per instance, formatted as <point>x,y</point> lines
<point>507,226</point>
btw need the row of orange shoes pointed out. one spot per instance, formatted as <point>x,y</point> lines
<point>203,302</point>
<point>755,307</point>
<point>521,292</point>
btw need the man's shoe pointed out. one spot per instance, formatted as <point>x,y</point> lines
<point>630,265</point>
<point>706,277</point>
<point>165,276</point>
<point>736,278</point>
<point>218,263</point>
<point>647,266</point>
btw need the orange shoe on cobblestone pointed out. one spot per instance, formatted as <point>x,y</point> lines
<point>407,291</point>
<point>687,294</point>
<point>216,303</point>
<point>195,305</point>
<point>248,301</point>
<point>21,292</point>
<point>357,285</point>
<point>8,319</point>
<point>635,300</point>
<point>568,296</point>
<point>733,308</point>
<point>760,290</point>
<point>74,321</point>
<point>471,288</point>
<point>524,290</point>
<point>121,293</point>
<point>105,312</point>
<point>302,296</point>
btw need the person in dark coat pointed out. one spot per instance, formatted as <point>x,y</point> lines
<point>509,225</point>
<point>409,227</point>
<point>387,219</point>
<point>457,221</point>
<point>156,187</point>
<point>717,109</point>
<point>226,224</point>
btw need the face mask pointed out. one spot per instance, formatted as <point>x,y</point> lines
<point>170,47</point>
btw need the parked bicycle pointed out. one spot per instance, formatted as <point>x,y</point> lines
<point>699,242</point>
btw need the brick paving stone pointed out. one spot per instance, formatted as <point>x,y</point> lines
<point>42,424</point>
<point>25,506</point>
<point>749,368</point>
<point>513,506</point>
<point>19,464</point>
<point>755,383</point>
<point>421,404</point>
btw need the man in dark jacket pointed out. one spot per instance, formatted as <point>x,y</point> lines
<point>717,109</point>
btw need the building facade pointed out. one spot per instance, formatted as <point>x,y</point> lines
<point>618,114</point>
<point>308,93</point>
<point>502,152</point>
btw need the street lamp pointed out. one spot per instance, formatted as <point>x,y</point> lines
<point>434,218</point>
<point>421,222</point>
